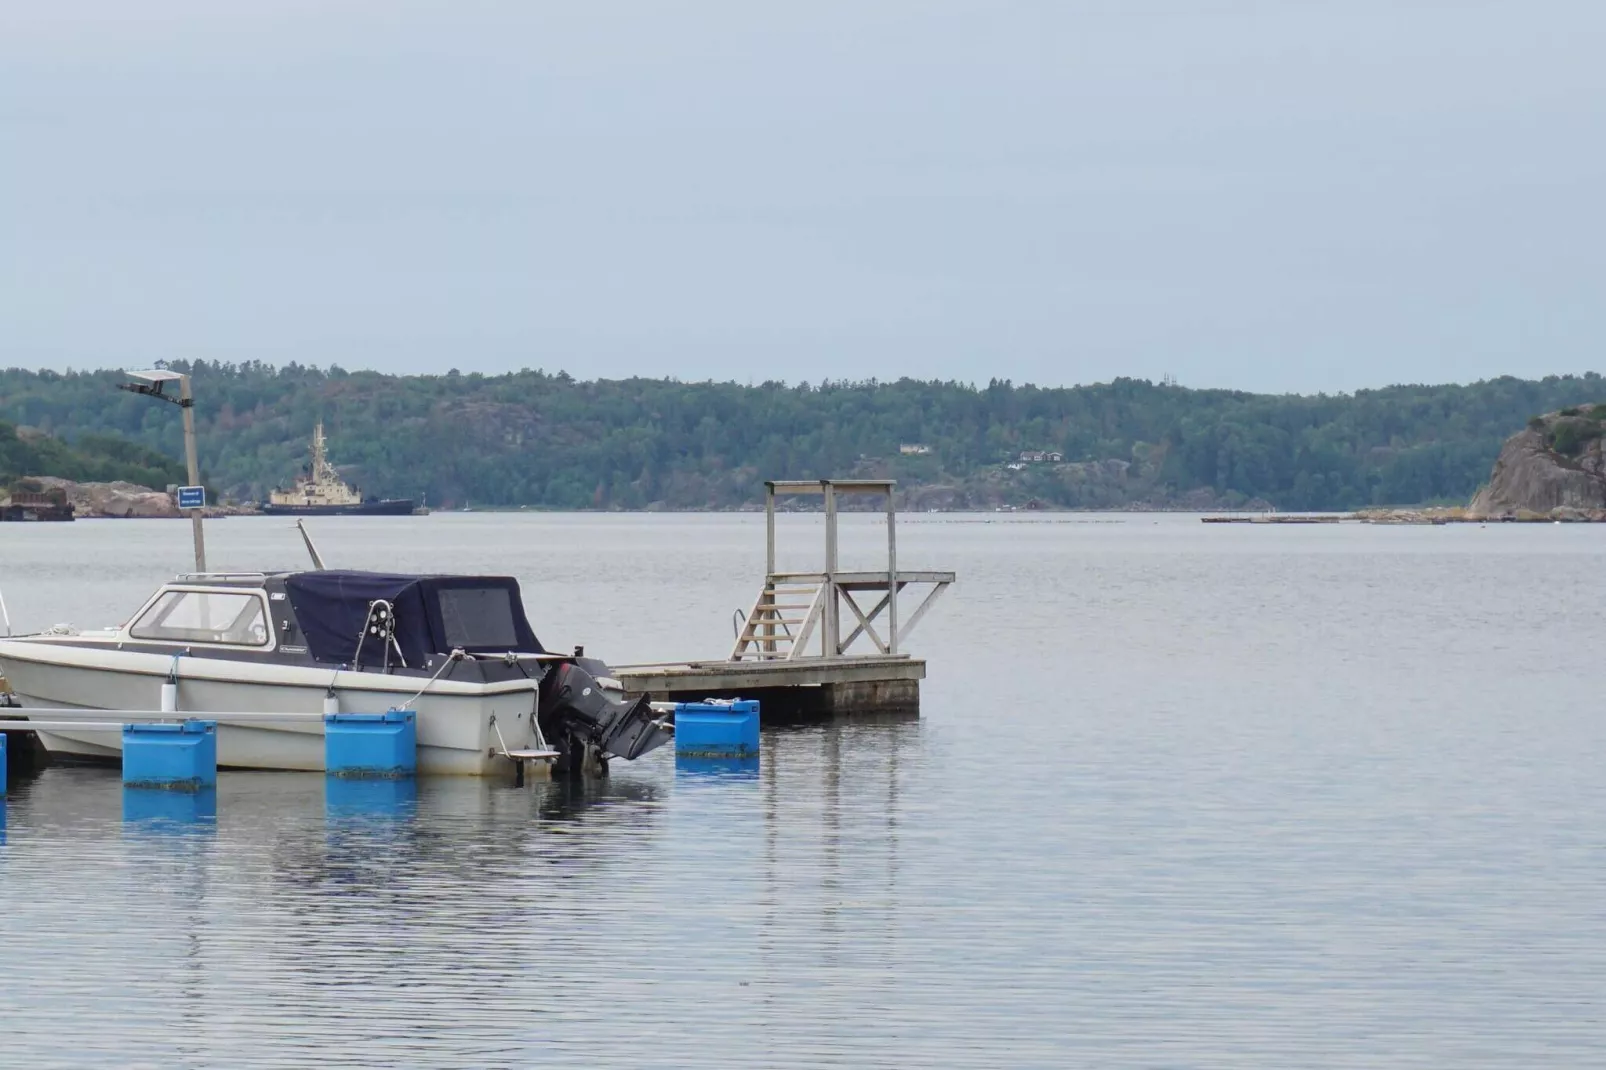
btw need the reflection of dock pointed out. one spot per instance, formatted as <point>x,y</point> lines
<point>791,651</point>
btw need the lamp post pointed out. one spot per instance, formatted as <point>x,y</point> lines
<point>151,384</point>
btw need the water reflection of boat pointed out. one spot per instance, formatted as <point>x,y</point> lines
<point>457,649</point>
<point>466,832</point>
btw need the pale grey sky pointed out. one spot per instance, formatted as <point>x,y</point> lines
<point>1264,194</point>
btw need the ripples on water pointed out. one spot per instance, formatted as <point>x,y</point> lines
<point>1180,797</point>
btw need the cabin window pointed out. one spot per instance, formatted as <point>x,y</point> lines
<point>478,617</point>
<point>204,617</point>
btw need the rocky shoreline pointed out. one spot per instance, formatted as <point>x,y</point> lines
<point>126,501</point>
<point>1457,515</point>
<point>1551,472</point>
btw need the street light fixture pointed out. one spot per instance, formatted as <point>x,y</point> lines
<point>152,384</point>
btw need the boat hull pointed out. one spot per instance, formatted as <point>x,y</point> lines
<point>383,507</point>
<point>462,727</point>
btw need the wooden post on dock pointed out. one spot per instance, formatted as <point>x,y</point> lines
<point>892,574</point>
<point>833,618</point>
<point>767,629</point>
<point>769,529</point>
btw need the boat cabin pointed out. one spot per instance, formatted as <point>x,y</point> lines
<point>369,621</point>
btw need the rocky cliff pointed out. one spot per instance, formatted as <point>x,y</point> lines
<point>113,499</point>
<point>1556,465</point>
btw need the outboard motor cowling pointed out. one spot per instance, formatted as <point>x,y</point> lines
<point>572,698</point>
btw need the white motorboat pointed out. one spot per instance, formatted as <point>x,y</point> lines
<point>458,650</point>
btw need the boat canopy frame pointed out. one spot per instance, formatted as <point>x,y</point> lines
<point>430,615</point>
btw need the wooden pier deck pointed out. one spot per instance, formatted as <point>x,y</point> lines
<point>793,689</point>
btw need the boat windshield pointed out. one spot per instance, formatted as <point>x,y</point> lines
<point>204,617</point>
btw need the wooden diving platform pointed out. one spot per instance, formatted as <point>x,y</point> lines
<point>815,644</point>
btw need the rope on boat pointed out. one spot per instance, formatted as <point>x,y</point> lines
<point>457,654</point>
<point>498,730</point>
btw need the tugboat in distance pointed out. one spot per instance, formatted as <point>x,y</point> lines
<point>319,491</point>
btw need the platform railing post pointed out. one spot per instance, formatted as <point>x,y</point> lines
<point>892,574</point>
<point>768,629</point>
<point>832,630</point>
<point>769,532</point>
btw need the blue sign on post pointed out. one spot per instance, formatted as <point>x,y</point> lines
<point>192,497</point>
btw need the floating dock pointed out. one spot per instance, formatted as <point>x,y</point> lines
<point>796,689</point>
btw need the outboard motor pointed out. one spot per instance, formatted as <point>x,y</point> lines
<point>574,703</point>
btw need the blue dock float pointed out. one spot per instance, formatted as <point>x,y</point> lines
<point>717,729</point>
<point>2,766</point>
<point>174,757</point>
<point>371,746</point>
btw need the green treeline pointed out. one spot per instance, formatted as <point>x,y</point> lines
<point>548,440</point>
<point>91,457</point>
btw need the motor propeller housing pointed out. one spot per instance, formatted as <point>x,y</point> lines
<point>573,700</point>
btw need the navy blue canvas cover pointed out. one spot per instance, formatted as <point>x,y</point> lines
<point>434,615</point>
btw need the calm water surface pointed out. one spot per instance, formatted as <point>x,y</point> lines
<point>1181,797</point>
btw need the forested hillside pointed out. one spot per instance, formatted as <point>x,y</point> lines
<point>532,438</point>
<point>93,457</point>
